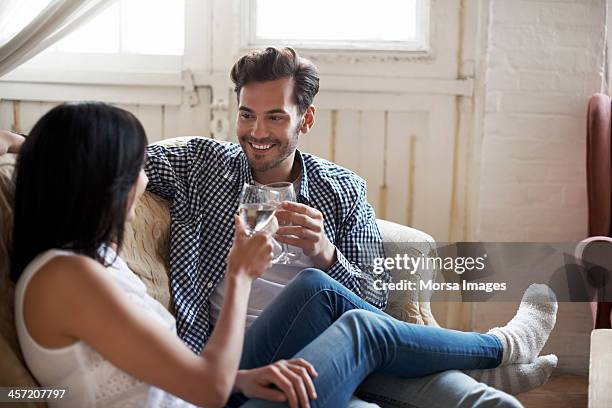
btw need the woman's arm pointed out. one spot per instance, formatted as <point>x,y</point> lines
<point>81,302</point>
<point>72,297</point>
<point>10,142</point>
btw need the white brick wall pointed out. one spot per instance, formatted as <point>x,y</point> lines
<point>544,60</point>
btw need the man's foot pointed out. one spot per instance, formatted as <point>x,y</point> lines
<point>525,335</point>
<point>517,378</point>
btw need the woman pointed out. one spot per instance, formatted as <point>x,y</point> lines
<point>85,322</point>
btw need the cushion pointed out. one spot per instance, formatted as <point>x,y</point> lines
<point>146,246</point>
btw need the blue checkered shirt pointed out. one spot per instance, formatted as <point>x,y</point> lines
<point>203,179</point>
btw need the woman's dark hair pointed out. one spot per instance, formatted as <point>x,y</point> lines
<point>73,175</point>
<point>271,64</point>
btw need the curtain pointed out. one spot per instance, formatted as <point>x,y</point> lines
<point>57,19</point>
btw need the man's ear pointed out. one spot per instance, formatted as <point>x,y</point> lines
<point>308,119</point>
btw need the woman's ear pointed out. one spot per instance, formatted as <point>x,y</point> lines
<point>308,119</point>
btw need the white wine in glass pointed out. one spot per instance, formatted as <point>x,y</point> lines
<point>257,207</point>
<point>256,216</point>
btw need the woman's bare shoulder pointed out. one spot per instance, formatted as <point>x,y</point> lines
<point>62,296</point>
<point>67,270</point>
<point>70,283</point>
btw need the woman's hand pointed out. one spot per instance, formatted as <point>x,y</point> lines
<point>250,256</point>
<point>10,142</point>
<point>283,381</point>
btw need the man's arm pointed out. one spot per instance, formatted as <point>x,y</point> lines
<point>168,166</point>
<point>10,142</point>
<point>358,244</point>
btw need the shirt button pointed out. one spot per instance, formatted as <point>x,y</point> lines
<point>210,284</point>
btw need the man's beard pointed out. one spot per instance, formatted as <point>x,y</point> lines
<point>284,151</point>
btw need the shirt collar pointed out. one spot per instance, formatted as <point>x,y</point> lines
<point>302,196</point>
<point>244,175</point>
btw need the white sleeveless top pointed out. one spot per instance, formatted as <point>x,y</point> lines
<point>89,379</point>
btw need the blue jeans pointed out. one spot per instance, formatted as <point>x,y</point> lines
<point>346,339</point>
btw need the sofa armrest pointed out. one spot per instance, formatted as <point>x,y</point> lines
<point>407,238</point>
<point>393,232</point>
<point>600,369</point>
<point>409,305</point>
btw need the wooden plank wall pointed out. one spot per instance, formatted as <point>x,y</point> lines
<point>389,149</point>
<point>159,121</point>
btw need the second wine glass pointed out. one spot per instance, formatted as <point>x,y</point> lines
<point>286,193</point>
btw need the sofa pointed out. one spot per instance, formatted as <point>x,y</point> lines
<point>146,252</point>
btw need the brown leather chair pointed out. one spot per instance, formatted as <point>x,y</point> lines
<point>599,189</point>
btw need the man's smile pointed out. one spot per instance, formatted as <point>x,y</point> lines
<point>261,148</point>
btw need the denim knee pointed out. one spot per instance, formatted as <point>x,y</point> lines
<point>311,278</point>
<point>362,321</point>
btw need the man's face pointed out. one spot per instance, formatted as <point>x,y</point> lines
<point>268,124</point>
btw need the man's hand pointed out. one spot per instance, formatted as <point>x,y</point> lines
<point>283,381</point>
<point>306,232</point>
<point>10,142</point>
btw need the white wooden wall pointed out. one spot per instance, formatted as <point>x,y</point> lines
<point>406,156</point>
<point>159,121</point>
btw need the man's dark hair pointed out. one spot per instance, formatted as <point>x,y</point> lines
<point>271,64</point>
<point>73,175</point>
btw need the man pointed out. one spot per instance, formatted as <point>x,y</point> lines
<point>203,178</point>
<point>332,223</point>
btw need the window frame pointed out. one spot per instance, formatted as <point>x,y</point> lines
<point>421,45</point>
<point>59,66</point>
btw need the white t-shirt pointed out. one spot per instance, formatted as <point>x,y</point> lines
<point>269,285</point>
<point>265,288</point>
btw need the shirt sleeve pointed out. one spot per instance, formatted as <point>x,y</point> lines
<point>357,245</point>
<point>168,167</point>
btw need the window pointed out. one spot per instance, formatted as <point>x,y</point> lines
<point>392,25</point>
<point>128,35</point>
<point>132,27</point>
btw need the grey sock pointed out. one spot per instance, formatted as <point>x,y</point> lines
<point>525,335</point>
<point>517,378</point>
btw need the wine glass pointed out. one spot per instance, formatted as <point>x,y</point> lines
<point>257,207</point>
<point>287,193</point>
